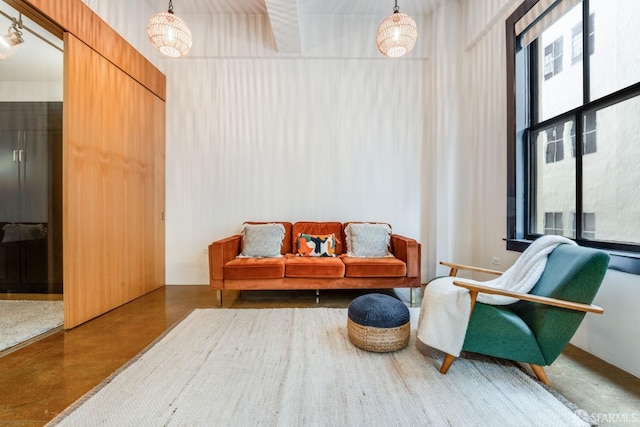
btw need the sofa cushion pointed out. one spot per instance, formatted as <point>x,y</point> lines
<point>317,245</point>
<point>262,240</point>
<point>367,239</point>
<point>324,267</point>
<point>374,267</point>
<point>254,268</point>
<point>286,242</point>
<point>319,228</point>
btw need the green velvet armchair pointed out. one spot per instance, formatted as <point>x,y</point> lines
<point>537,328</point>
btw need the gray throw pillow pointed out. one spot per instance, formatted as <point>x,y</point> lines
<point>368,240</point>
<point>262,240</point>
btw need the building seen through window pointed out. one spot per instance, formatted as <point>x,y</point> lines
<point>599,94</point>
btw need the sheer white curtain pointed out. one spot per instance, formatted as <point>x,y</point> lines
<point>465,160</point>
<point>447,157</point>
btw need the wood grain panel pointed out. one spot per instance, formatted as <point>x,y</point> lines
<point>76,17</point>
<point>159,191</point>
<point>112,187</point>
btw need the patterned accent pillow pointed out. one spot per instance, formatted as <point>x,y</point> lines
<point>317,245</point>
<point>368,240</point>
<point>262,240</point>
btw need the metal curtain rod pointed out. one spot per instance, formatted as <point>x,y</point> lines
<point>9,17</point>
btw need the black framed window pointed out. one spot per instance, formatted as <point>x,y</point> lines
<point>598,94</point>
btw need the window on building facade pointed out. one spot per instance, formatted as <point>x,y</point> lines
<point>588,135</point>
<point>553,59</point>
<point>599,94</point>
<point>576,40</point>
<point>553,223</point>
<point>588,225</point>
<point>591,34</point>
<point>576,44</point>
<point>555,148</point>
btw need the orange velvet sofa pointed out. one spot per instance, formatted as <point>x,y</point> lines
<point>227,271</point>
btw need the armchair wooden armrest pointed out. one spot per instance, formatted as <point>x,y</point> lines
<point>475,289</point>
<point>456,267</point>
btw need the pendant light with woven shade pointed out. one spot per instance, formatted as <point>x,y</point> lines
<point>397,34</point>
<point>169,34</point>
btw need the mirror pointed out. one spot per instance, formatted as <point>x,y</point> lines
<point>31,92</point>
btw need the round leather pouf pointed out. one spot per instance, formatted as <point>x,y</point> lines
<point>378,322</point>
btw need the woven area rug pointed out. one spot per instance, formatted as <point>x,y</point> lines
<point>21,320</point>
<point>297,367</point>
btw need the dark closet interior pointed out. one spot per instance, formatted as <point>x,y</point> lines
<point>31,197</point>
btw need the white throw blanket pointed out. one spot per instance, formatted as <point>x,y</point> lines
<point>446,308</point>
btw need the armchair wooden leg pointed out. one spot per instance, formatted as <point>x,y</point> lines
<point>446,363</point>
<point>540,373</point>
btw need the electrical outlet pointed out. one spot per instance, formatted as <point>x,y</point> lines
<point>205,251</point>
<point>495,260</point>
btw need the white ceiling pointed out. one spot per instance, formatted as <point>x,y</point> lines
<point>284,15</point>
<point>305,7</point>
<point>25,63</point>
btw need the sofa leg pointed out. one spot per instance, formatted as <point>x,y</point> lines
<point>220,298</point>
<point>412,296</point>
<point>317,296</point>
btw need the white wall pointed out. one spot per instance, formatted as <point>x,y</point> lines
<point>31,91</point>
<point>262,136</point>
<point>288,139</point>
<point>445,180</point>
<point>613,336</point>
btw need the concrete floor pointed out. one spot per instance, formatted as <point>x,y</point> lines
<point>40,380</point>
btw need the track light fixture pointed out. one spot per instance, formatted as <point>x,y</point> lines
<point>14,35</point>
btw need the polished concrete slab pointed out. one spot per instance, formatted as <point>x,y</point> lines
<point>39,381</point>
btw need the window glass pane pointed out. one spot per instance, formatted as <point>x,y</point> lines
<point>560,74</point>
<point>589,141</point>
<point>611,176</point>
<point>589,225</point>
<point>553,182</point>
<point>576,44</point>
<point>615,55</point>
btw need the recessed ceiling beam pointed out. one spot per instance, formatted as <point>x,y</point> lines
<point>285,24</point>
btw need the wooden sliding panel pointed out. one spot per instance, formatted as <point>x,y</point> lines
<point>113,190</point>
<point>159,193</point>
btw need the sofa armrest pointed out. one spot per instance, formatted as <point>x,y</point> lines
<point>221,252</point>
<point>407,250</point>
